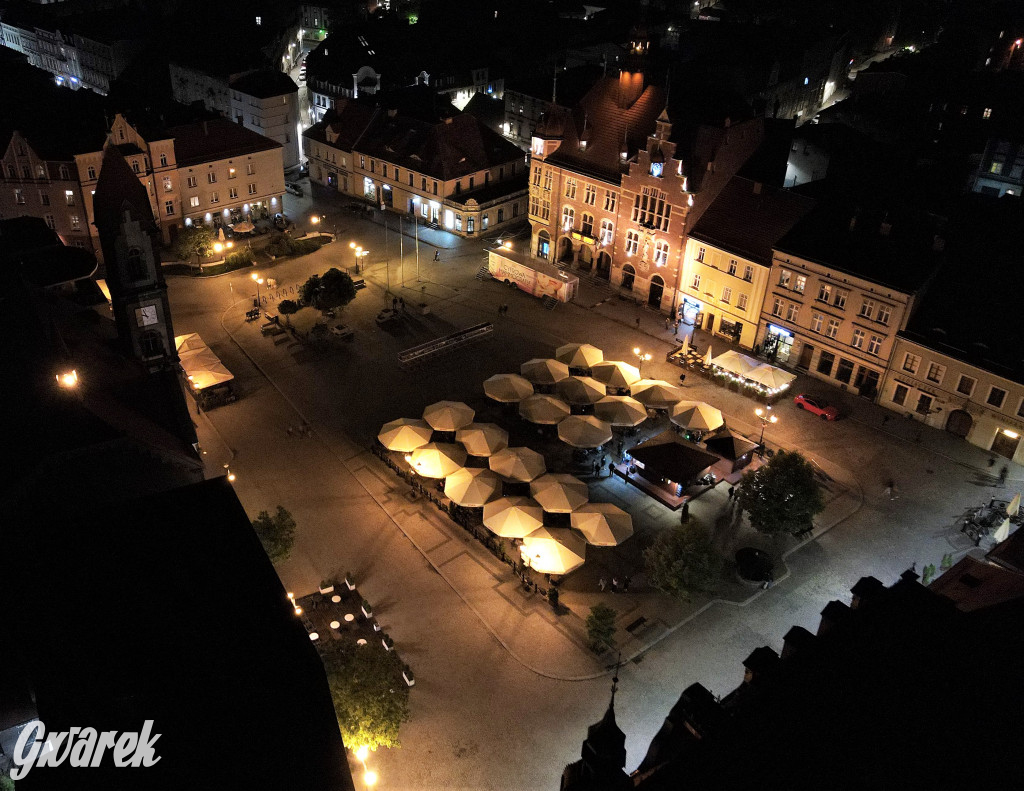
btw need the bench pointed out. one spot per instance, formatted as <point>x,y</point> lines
<point>359,283</point>
<point>638,623</point>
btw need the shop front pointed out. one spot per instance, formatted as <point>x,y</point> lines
<point>778,344</point>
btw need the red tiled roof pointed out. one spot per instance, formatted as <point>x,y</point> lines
<point>218,138</point>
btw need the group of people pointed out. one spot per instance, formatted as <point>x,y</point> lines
<point>503,310</point>
<point>398,303</point>
<point>617,585</point>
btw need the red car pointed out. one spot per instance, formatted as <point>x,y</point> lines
<point>817,406</point>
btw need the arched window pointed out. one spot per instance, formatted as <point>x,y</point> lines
<point>632,242</point>
<point>661,252</point>
<point>628,276</point>
<point>588,224</point>
<point>151,344</point>
<point>607,232</point>
<point>568,218</point>
<point>135,263</point>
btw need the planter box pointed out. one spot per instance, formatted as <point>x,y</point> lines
<point>328,589</point>
<point>387,647</point>
<point>376,626</point>
<point>366,613</point>
<point>409,679</point>
<point>350,585</point>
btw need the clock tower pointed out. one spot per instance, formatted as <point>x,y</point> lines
<point>138,294</point>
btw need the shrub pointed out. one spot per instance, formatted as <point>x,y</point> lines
<point>238,259</point>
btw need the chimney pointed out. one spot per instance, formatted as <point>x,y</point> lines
<point>757,187</point>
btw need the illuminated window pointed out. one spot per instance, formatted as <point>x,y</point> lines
<point>748,273</point>
<point>194,201</point>
<point>590,195</point>
<point>163,160</point>
<point>169,208</point>
<point>91,172</point>
<point>568,218</point>
<point>214,197</point>
<point>536,175</point>
<point>231,173</point>
<point>548,178</point>
<point>824,292</point>
<point>252,188</point>
<point>726,295</point>
<point>792,312</point>
<point>19,196</point>
<point>607,231</point>
<point>776,306</point>
<point>800,284</point>
<point>250,169</point>
<point>632,242</point>
<point>191,181</point>
<point>700,255</point>
<point>167,185</point>
<point>784,277</point>
<point>232,193</point>
<point>75,222</point>
<point>661,252</point>
<point>652,209</point>
<point>587,223</point>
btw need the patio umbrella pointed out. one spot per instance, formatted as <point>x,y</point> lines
<point>602,524</point>
<point>621,410</point>
<point>696,415</point>
<point>581,390</point>
<point>584,431</point>
<point>472,487</point>
<point>448,415</point>
<point>405,434</point>
<point>616,374</point>
<point>771,377</point>
<point>437,459</point>
<point>1014,506</point>
<point>559,493</point>
<point>579,355</point>
<point>220,234</point>
<point>544,409</point>
<point>513,517</point>
<point>507,388</point>
<point>656,393</point>
<point>188,342</point>
<point>554,550</point>
<point>482,439</point>
<point>243,227</point>
<point>1003,532</point>
<point>518,464</point>
<point>735,363</point>
<point>543,371</point>
<point>707,357</point>
<point>685,348</point>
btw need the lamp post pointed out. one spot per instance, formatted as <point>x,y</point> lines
<point>765,415</point>
<point>416,231</point>
<point>258,280</point>
<point>641,358</point>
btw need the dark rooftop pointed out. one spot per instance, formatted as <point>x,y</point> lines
<point>265,84</point>
<point>669,455</point>
<point>216,139</point>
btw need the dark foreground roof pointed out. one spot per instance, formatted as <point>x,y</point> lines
<point>167,608</point>
<point>670,455</point>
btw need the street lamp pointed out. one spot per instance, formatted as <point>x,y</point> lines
<point>416,231</point>
<point>765,415</point>
<point>259,281</point>
<point>68,379</point>
<point>641,358</point>
<point>358,252</point>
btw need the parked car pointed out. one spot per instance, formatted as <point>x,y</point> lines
<point>343,332</point>
<point>816,406</point>
<point>294,189</point>
<point>387,315</point>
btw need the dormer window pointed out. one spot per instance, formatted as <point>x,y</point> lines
<point>657,168</point>
<point>537,149</point>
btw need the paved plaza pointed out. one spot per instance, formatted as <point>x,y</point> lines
<point>499,676</point>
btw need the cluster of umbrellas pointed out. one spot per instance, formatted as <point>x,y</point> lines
<point>747,369</point>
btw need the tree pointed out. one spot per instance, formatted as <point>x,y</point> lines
<point>601,627</point>
<point>276,533</point>
<point>371,700</point>
<point>194,240</point>
<point>309,290</point>
<point>287,307</point>
<point>682,561</point>
<point>333,289</point>
<point>783,496</point>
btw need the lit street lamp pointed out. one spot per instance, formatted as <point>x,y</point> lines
<point>259,281</point>
<point>641,358</point>
<point>766,417</point>
<point>358,252</point>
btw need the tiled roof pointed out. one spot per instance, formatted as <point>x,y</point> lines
<point>744,221</point>
<point>219,138</point>
<point>343,127</point>
<point>264,84</point>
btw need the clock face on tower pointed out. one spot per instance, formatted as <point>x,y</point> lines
<point>146,315</point>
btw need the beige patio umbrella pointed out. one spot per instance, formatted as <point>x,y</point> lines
<point>544,409</point>
<point>1003,532</point>
<point>602,524</point>
<point>513,517</point>
<point>507,388</point>
<point>579,355</point>
<point>437,459</point>
<point>472,487</point>
<point>581,390</point>
<point>405,434</point>
<point>584,431</point>
<point>482,439</point>
<point>554,550</point>
<point>544,371</point>
<point>656,393</point>
<point>707,357</point>
<point>685,348</point>
<point>518,464</point>
<point>1014,506</point>
<point>771,377</point>
<point>448,415</point>
<point>559,493</point>
<point>615,373</point>
<point>621,410</point>
<point>696,415</point>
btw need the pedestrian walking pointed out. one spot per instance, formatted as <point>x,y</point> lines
<point>602,584</point>
<point>437,255</point>
<point>595,468</point>
<point>615,584</point>
<point>668,322</point>
<point>625,584</point>
<point>1003,472</point>
<point>888,489</point>
<point>401,303</point>
<point>732,492</point>
<point>638,322</point>
<point>394,303</point>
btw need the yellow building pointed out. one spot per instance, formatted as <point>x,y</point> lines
<point>728,257</point>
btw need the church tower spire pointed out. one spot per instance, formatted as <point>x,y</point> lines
<point>603,755</point>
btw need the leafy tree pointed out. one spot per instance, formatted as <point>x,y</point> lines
<point>276,533</point>
<point>782,496</point>
<point>195,240</point>
<point>309,290</point>
<point>287,307</point>
<point>682,561</point>
<point>371,700</point>
<point>333,289</point>
<point>601,627</point>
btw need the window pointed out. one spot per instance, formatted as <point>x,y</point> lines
<point>899,395</point>
<point>741,302</point>
<point>49,222</point>
<point>536,176</point>
<point>883,314</point>
<point>632,242</point>
<point>214,197</point>
<point>844,371</point>
<point>825,363</point>
<point>874,344</point>
<point>996,397</point>
<point>570,188</point>
<point>534,205</point>
<point>362,163</point>
<point>163,160</point>
<point>151,344</point>
<point>232,173</point>
<point>652,209</point>
<point>486,221</point>
<point>194,201</point>
<point>800,283</point>
<point>748,273</point>
<point>373,165</point>
<point>470,224</point>
<point>966,385</point>
<point>924,404</point>
<point>661,252</point>
<point>840,300</point>
<point>211,177</point>
<point>784,277</point>
<point>232,193</point>
<point>609,200</point>
<point>824,292</point>
<point>867,307</point>
<point>19,196</point>
<point>168,186</point>
<point>726,295</point>
<point>410,179</point>
<point>44,198</point>
<point>816,321</point>
<point>384,170</point>
<point>935,372</point>
<point>69,198</point>
<point>75,222</point>
<point>568,218</point>
<point>458,222</point>
<point>777,307</point>
<point>590,195</point>
<point>136,265</point>
<point>434,185</point>
<point>548,180</point>
<point>91,173</point>
<point>607,231</point>
<point>695,284</point>
<point>792,311</point>
<point>700,255</point>
<point>192,182</point>
<point>987,113</point>
<point>64,174</point>
<point>1020,409</point>
<point>135,165</point>
<point>858,339</point>
<point>910,363</point>
<point>250,169</point>
<point>252,188</point>
<point>832,329</point>
<point>732,266</point>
